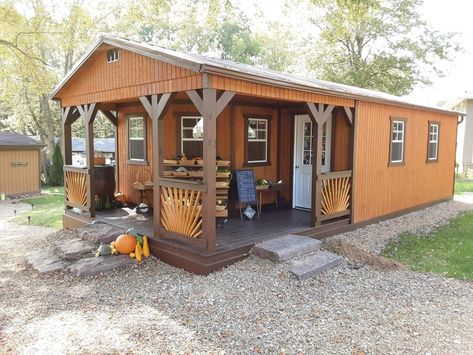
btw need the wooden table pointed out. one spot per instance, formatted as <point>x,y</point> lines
<point>261,190</point>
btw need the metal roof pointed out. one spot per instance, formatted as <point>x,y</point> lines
<point>105,145</point>
<point>18,140</point>
<point>209,65</point>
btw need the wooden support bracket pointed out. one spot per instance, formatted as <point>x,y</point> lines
<point>156,106</point>
<point>111,116</point>
<point>349,113</point>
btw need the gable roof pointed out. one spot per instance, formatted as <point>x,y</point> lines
<point>12,139</point>
<point>203,64</point>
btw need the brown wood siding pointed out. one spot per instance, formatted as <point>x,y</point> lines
<point>133,75</point>
<point>341,151</point>
<point>286,152</point>
<point>128,172</point>
<point>269,171</point>
<point>19,179</point>
<point>381,189</point>
<point>275,92</point>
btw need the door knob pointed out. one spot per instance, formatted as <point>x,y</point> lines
<point>297,166</point>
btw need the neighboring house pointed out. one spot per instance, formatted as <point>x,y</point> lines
<point>347,156</point>
<point>464,155</point>
<point>20,171</point>
<point>103,146</point>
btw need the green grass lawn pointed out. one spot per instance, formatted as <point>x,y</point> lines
<point>448,251</point>
<point>463,184</point>
<point>47,210</point>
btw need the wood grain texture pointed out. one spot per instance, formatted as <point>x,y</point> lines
<point>270,91</point>
<point>133,75</point>
<point>341,147</point>
<point>128,171</point>
<point>19,179</point>
<point>381,189</point>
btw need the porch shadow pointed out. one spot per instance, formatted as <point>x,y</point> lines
<point>234,234</point>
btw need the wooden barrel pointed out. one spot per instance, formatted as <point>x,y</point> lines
<point>104,181</point>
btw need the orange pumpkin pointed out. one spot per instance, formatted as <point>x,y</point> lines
<point>125,244</point>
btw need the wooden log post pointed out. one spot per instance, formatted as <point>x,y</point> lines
<point>88,113</point>
<point>319,114</point>
<point>156,106</point>
<point>210,108</point>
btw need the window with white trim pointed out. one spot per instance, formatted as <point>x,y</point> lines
<point>257,140</point>
<point>136,138</point>
<point>192,134</point>
<point>397,141</point>
<point>432,153</point>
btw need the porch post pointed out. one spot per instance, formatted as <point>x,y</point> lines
<point>88,113</point>
<point>353,155</point>
<point>69,116</point>
<point>319,115</point>
<point>156,106</point>
<point>209,107</point>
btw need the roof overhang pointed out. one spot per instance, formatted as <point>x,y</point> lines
<point>241,71</point>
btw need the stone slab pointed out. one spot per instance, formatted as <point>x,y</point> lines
<point>74,249</point>
<point>96,265</point>
<point>312,265</point>
<point>285,248</point>
<point>46,260</point>
<point>99,233</point>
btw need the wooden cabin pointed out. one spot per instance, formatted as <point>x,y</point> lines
<point>20,164</point>
<point>346,156</point>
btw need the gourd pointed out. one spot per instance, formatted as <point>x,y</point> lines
<point>145,247</point>
<point>125,244</point>
<point>137,252</point>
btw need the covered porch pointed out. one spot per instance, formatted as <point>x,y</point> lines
<point>281,132</point>
<point>186,233</point>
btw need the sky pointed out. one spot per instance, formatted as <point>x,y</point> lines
<point>444,16</point>
<point>450,16</point>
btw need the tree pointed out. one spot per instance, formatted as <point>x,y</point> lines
<point>56,173</point>
<point>378,44</point>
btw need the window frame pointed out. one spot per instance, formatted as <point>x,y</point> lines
<point>145,132</point>
<point>113,55</point>
<point>180,143</point>
<point>402,162</point>
<point>436,159</point>
<point>268,119</point>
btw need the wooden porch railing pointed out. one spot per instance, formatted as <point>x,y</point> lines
<point>75,182</point>
<point>335,195</point>
<point>181,211</point>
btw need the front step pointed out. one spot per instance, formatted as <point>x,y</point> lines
<point>285,248</point>
<point>313,265</point>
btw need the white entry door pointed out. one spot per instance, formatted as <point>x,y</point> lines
<point>303,158</point>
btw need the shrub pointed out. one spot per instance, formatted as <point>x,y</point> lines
<point>56,173</point>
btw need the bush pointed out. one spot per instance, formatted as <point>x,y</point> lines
<point>56,173</point>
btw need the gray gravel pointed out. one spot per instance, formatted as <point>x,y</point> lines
<point>254,306</point>
<point>375,237</point>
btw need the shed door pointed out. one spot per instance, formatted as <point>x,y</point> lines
<point>303,156</point>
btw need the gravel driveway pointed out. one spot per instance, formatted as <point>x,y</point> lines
<point>251,307</point>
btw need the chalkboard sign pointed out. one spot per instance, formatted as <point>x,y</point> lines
<point>245,181</point>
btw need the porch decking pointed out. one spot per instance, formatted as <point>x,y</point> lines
<point>232,235</point>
